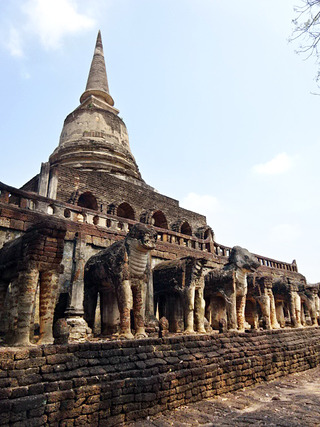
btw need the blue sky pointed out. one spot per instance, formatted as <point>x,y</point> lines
<point>219,108</point>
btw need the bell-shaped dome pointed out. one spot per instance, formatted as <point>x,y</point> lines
<point>93,137</point>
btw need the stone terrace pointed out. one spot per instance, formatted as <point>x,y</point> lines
<point>107,383</point>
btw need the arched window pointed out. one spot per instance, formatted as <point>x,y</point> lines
<point>204,233</point>
<point>87,200</point>
<point>186,229</point>
<point>159,220</point>
<point>125,211</point>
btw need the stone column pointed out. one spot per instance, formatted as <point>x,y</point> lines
<point>298,308</point>
<point>273,315</point>
<point>44,179</point>
<point>26,284</point>
<point>79,329</point>
<point>53,184</point>
<point>49,284</point>
<point>189,297</point>
<point>151,319</point>
<point>241,306</point>
<point>199,308</point>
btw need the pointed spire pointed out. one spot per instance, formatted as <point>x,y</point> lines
<point>97,83</point>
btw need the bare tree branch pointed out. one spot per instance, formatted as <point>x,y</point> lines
<point>307,29</point>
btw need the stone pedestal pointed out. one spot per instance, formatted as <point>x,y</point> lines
<point>78,329</point>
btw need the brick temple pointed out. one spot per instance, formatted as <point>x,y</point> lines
<point>90,196</point>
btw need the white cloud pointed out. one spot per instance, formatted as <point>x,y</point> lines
<point>47,21</point>
<point>204,204</point>
<point>14,44</point>
<point>284,234</point>
<point>52,20</point>
<point>281,163</point>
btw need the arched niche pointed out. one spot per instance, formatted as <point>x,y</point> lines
<point>159,220</point>
<point>205,233</point>
<point>88,201</point>
<point>125,211</point>
<point>186,228</point>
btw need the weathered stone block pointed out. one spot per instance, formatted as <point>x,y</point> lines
<point>58,396</point>
<point>27,403</point>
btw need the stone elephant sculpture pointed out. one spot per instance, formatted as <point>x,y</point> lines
<point>120,275</point>
<point>230,282</point>
<point>285,290</point>
<point>260,291</point>
<point>310,299</point>
<point>178,289</point>
<point>26,262</point>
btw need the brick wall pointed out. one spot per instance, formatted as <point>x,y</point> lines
<point>109,189</point>
<point>106,383</point>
